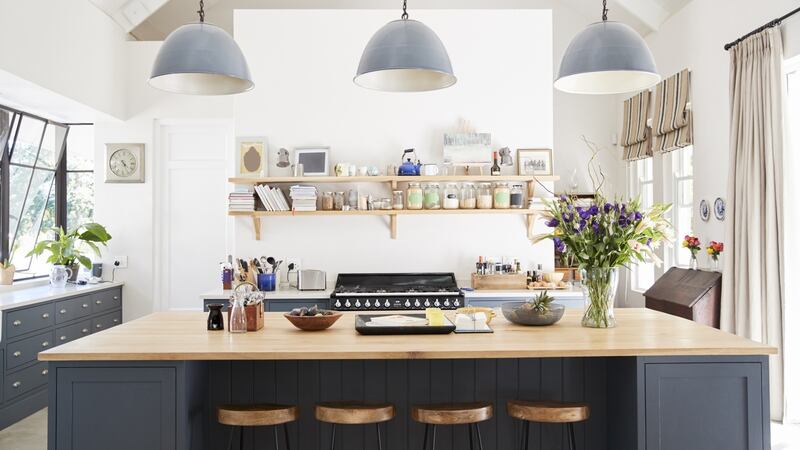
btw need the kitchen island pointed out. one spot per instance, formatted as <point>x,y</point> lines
<point>654,382</point>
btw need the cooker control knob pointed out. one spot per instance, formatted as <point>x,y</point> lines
<point>386,303</point>
<point>358,303</point>
<point>446,303</point>
<point>416,304</point>
<point>427,303</point>
<point>347,303</point>
<point>456,303</point>
<point>407,304</point>
<point>338,304</point>
<point>367,304</point>
<point>436,303</point>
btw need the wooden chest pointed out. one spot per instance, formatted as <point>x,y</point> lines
<point>691,294</point>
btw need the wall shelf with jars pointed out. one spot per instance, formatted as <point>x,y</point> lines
<point>419,195</point>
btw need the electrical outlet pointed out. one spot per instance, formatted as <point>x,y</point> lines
<point>296,261</point>
<point>120,262</point>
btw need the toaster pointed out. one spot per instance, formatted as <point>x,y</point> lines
<point>311,280</point>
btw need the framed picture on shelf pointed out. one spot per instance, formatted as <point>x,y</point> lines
<point>313,159</point>
<point>535,161</point>
<point>251,156</point>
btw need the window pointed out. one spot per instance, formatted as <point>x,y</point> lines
<point>33,179</point>
<point>681,179</point>
<point>80,175</point>
<point>642,183</point>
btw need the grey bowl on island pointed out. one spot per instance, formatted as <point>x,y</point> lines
<point>521,314</point>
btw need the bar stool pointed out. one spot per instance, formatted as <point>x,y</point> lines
<point>354,413</point>
<point>547,412</point>
<point>469,414</point>
<point>240,416</point>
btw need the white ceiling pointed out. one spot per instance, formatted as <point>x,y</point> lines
<point>155,19</point>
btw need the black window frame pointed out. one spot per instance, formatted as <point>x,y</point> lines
<point>58,188</point>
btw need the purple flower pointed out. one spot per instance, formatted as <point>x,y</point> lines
<point>623,221</point>
<point>649,241</point>
<point>552,223</point>
<point>559,244</point>
<point>596,227</point>
<point>563,198</point>
<point>608,207</point>
<point>581,225</point>
<point>584,214</point>
<point>637,216</point>
<point>593,210</point>
<point>567,217</point>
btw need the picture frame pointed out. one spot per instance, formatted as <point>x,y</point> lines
<point>535,161</point>
<point>314,160</point>
<point>251,156</point>
<point>124,163</point>
<point>467,149</point>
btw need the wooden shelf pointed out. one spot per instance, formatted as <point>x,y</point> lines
<point>392,179</point>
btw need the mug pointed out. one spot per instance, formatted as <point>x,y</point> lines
<point>429,170</point>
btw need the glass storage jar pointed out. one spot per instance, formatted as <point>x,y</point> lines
<point>338,201</point>
<point>327,201</point>
<point>517,196</point>
<point>502,196</point>
<point>432,196</point>
<point>467,199</point>
<point>485,196</point>
<point>450,197</point>
<point>414,196</point>
<point>397,199</point>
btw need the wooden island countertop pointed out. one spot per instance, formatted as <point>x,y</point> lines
<point>183,336</point>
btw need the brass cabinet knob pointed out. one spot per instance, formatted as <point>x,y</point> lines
<point>116,298</point>
<point>62,338</point>
<point>17,323</point>
<point>17,354</point>
<point>44,372</point>
<point>85,330</point>
<point>85,305</point>
<point>16,384</point>
<point>45,315</point>
<point>98,302</point>
<point>98,326</point>
<point>45,344</point>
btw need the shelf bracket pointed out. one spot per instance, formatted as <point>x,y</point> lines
<point>393,225</point>
<point>531,221</point>
<point>257,227</point>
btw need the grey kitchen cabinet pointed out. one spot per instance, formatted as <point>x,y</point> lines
<point>276,305</point>
<point>30,329</point>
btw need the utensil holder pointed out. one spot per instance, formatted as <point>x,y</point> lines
<point>266,282</point>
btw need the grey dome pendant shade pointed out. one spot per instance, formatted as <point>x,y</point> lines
<point>201,59</point>
<point>607,58</point>
<point>405,56</point>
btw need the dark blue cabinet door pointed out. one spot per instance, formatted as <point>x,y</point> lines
<point>115,408</point>
<point>705,406</point>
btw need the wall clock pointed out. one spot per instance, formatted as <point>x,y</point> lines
<point>124,163</point>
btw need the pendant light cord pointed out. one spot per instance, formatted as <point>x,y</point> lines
<point>404,16</point>
<point>605,11</point>
<point>201,12</point>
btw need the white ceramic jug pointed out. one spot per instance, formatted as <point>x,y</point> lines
<point>59,275</point>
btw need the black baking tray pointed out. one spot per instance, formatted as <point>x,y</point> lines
<point>363,328</point>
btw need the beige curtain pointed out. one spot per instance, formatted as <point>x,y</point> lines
<point>636,135</point>
<point>672,120</point>
<point>752,292</point>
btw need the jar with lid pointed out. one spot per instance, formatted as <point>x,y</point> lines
<point>397,200</point>
<point>451,195</point>
<point>414,196</point>
<point>502,196</point>
<point>432,197</point>
<point>517,196</point>
<point>467,198</point>
<point>338,201</point>
<point>485,196</point>
<point>327,201</point>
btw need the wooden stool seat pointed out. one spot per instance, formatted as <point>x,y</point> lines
<point>453,413</point>
<point>548,411</point>
<point>354,413</point>
<point>256,415</point>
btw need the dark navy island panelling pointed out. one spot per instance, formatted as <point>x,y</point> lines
<point>30,329</point>
<point>641,403</point>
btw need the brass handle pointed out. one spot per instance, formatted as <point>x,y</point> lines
<point>45,344</point>
<point>115,320</point>
<point>85,330</point>
<point>44,372</point>
<point>16,384</point>
<point>116,298</point>
<point>98,326</point>
<point>98,302</point>
<point>63,338</point>
<point>45,315</point>
<point>17,354</point>
<point>85,305</point>
<point>63,311</point>
<point>17,323</point>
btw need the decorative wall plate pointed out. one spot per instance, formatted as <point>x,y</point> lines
<point>705,211</point>
<point>719,208</point>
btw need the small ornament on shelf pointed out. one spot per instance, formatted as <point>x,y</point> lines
<point>714,250</point>
<point>693,244</point>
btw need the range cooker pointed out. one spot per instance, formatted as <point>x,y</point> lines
<point>396,291</point>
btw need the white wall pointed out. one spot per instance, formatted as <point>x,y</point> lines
<point>305,96</point>
<point>68,47</point>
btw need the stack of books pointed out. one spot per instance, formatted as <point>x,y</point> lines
<point>272,198</point>
<point>241,201</point>
<point>304,198</point>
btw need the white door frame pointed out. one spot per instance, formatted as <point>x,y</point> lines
<point>161,265</point>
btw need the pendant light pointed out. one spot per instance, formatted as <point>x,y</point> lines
<point>201,59</point>
<point>405,56</point>
<point>607,58</point>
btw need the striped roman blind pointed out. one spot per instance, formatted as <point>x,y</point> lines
<point>672,120</point>
<point>636,135</point>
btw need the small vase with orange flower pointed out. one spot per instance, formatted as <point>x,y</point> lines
<point>693,244</point>
<point>714,250</point>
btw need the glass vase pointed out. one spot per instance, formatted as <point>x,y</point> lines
<point>693,262</point>
<point>599,291</point>
<point>715,263</point>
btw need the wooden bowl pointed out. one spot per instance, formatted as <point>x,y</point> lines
<point>553,277</point>
<point>313,323</point>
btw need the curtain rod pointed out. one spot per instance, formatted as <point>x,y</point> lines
<point>771,24</point>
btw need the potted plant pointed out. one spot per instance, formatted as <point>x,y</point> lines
<point>602,237</point>
<point>66,252</point>
<point>6,273</point>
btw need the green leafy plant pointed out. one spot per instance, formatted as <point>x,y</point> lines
<point>6,264</point>
<point>65,249</point>
<point>541,303</point>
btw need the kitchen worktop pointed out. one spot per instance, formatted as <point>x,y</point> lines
<point>183,336</point>
<point>292,293</point>
<point>19,297</point>
<point>288,293</point>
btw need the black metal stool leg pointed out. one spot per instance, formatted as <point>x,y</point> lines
<point>285,436</point>
<point>571,428</point>
<point>275,432</point>
<point>469,429</point>
<point>378,430</point>
<point>333,437</point>
<point>526,432</point>
<point>230,438</point>
<point>478,432</point>
<point>433,443</point>
<point>241,438</point>
<point>425,438</point>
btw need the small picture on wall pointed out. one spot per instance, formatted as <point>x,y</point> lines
<point>535,161</point>
<point>252,156</point>
<point>313,159</point>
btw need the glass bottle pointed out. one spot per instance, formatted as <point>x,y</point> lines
<point>432,196</point>
<point>485,196</point>
<point>467,200</point>
<point>238,317</point>
<point>451,195</point>
<point>414,196</point>
<point>517,196</point>
<point>495,166</point>
<point>502,196</point>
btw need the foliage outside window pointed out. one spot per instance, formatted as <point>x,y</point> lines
<point>642,183</point>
